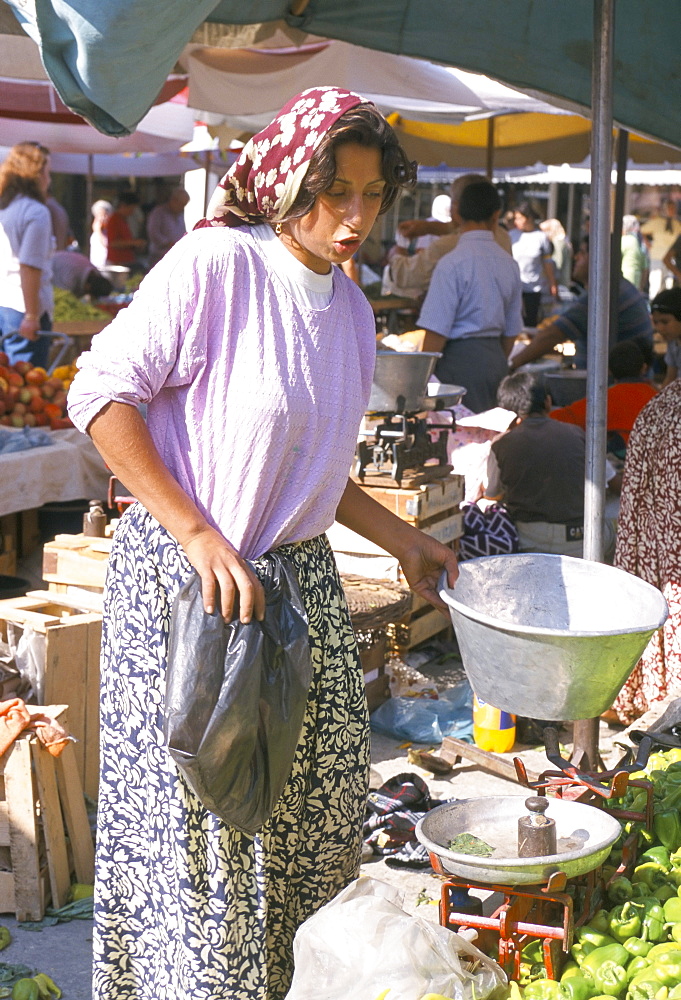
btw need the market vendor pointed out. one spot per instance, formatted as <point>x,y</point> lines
<point>537,469</point>
<point>257,319</point>
<point>77,274</point>
<point>633,318</point>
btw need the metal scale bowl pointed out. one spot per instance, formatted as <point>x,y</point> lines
<point>399,392</point>
<point>547,636</point>
<point>584,838</point>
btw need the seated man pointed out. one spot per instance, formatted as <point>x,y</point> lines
<point>472,311</point>
<point>633,318</point>
<point>537,469</point>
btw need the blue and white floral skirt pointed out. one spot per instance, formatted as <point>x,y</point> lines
<point>186,907</point>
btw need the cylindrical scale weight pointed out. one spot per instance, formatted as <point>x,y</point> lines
<point>536,832</point>
<point>94,522</point>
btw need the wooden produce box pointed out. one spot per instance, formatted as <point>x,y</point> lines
<point>72,647</point>
<point>19,536</point>
<point>76,562</point>
<point>424,623</point>
<point>376,681</point>
<point>44,829</point>
<point>432,507</point>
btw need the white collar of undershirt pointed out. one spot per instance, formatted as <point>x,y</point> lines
<point>285,263</point>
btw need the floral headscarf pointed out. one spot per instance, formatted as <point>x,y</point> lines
<point>265,180</point>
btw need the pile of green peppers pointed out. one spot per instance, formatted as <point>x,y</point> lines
<point>631,949</point>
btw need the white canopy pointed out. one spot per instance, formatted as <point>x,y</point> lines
<point>249,86</point>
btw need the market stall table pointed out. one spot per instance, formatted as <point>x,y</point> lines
<point>389,309</point>
<point>68,469</point>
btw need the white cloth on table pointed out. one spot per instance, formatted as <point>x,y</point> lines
<point>68,469</point>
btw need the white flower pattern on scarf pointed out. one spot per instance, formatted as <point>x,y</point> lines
<point>258,184</point>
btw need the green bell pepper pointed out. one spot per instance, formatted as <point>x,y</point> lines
<point>637,965</point>
<point>581,949</point>
<point>543,989</point>
<point>613,953</point>
<point>599,921</point>
<point>665,891</point>
<point>577,988</point>
<point>637,947</point>
<point>611,978</point>
<point>675,933</point>
<point>650,873</point>
<point>620,890</point>
<point>672,910</point>
<point>675,993</point>
<point>626,920</point>
<point>533,952</point>
<point>662,949</point>
<point>658,854</point>
<point>644,989</point>
<point>588,933</point>
<point>667,827</point>
<point>667,968</point>
<point>653,928</point>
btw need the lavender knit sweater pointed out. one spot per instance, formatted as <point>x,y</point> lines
<point>254,401</point>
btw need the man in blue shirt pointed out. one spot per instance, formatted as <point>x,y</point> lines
<point>633,318</point>
<point>472,311</point>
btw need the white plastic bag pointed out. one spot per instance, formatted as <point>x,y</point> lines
<point>30,653</point>
<point>363,943</point>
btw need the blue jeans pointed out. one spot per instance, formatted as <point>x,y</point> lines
<point>19,348</point>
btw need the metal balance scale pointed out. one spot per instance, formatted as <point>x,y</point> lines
<point>555,638</point>
<point>404,440</point>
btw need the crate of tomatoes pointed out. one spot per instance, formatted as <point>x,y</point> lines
<point>30,397</point>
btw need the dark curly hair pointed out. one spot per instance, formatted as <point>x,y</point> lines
<point>20,170</point>
<point>365,126</point>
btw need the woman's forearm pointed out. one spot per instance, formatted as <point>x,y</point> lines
<point>361,513</point>
<point>123,440</point>
<point>30,288</point>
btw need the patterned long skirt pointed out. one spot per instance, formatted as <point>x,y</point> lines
<point>186,907</point>
<point>649,545</point>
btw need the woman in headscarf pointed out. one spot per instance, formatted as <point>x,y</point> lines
<point>649,546</point>
<point>255,354</point>
<point>26,301</point>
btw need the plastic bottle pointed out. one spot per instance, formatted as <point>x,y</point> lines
<point>492,729</point>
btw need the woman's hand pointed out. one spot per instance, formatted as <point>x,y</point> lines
<point>29,326</point>
<point>222,569</point>
<point>422,565</point>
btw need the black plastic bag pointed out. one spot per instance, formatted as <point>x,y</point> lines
<point>236,696</point>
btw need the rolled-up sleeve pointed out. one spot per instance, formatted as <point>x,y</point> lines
<point>157,341</point>
<point>35,245</point>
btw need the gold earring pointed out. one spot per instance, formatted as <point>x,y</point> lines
<point>277,229</point>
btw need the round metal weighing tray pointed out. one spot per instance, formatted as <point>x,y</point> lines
<point>550,637</point>
<point>585,836</point>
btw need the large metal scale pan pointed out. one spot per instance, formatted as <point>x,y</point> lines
<point>585,836</point>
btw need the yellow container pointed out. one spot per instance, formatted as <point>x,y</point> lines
<point>492,729</point>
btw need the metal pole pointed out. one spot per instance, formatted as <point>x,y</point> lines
<point>585,750</point>
<point>89,187</point>
<point>489,160</point>
<point>616,263</point>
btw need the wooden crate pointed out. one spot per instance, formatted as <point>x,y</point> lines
<point>44,829</point>
<point>423,623</point>
<point>76,561</point>
<point>432,507</point>
<point>72,646</point>
<point>19,533</point>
